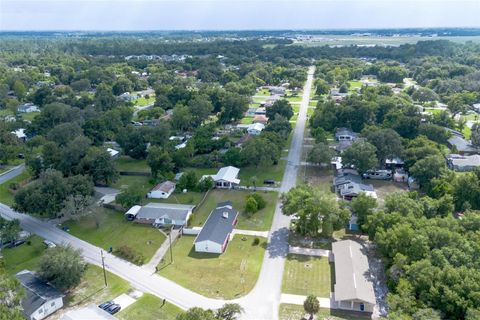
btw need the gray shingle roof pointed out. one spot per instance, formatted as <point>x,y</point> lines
<point>154,211</point>
<point>352,272</point>
<point>219,223</point>
<point>37,291</point>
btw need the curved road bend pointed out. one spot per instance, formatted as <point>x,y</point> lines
<point>261,303</point>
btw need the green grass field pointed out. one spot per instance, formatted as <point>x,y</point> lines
<point>263,173</point>
<point>296,312</point>
<point>125,163</point>
<point>263,92</point>
<point>139,182</point>
<point>25,256</point>
<point>108,228</point>
<point>142,101</point>
<point>433,111</point>
<point>353,85</point>
<point>213,275</point>
<point>6,197</point>
<point>261,220</point>
<point>246,120</point>
<point>297,98</point>
<point>149,307</point>
<point>29,116</point>
<point>306,275</point>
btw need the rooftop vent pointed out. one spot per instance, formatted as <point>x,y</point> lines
<point>225,215</point>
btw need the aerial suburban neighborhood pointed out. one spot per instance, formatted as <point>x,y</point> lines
<point>201,175</point>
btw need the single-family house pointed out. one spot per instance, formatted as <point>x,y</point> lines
<point>162,190</point>
<point>114,154</point>
<point>345,134</point>
<point>345,176</point>
<point>41,299</point>
<point>353,288</point>
<point>352,189</point>
<point>161,214</point>
<point>276,90</point>
<point>392,163</point>
<point>462,146</point>
<point>27,108</point>
<point>260,110</point>
<point>255,129</point>
<point>476,107</point>
<point>127,96</point>
<point>217,230</point>
<point>226,177</point>
<point>461,163</point>
<point>260,118</point>
<point>20,134</point>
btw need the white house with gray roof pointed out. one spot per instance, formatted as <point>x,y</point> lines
<point>353,288</point>
<point>465,163</point>
<point>226,177</point>
<point>217,230</point>
<point>41,299</point>
<point>161,214</point>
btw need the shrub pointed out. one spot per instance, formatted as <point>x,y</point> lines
<point>128,253</point>
<point>261,203</point>
<point>256,242</point>
<point>251,205</point>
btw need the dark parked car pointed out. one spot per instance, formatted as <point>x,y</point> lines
<point>114,308</point>
<point>14,244</point>
<point>106,305</point>
<point>268,181</point>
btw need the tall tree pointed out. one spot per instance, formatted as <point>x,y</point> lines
<point>311,305</point>
<point>361,155</point>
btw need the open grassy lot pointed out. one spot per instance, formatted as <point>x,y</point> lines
<point>181,198</point>
<point>353,85</point>
<point>259,99</point>
<point>108,228</point>
<point>246,120</point>
<point>149,307</point>
<point>296,312</point>
<point>306,275</point>
<point>142,101</point>
<point>262,173</point>
<point>296,108</point>
<point>27,256</point>
<point>297,98</point>
<point>125,163</point>
<point>312,103</point>
<point>433,110</point>
<point>29,116</point>
<point>315,176</point>
<point>261,220</point>
<point>262,92</point>
<point>92,288</point>
<point>139,182</point>
<point>6,197</point>
<point>384,188</point>
<point>213,275</point>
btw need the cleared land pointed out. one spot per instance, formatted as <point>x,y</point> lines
<point>108,228</point>
<point>274,173</point>
<point>261,220</point>
<point>149,307</point>
<point>296,312</point>
<point>6,197</point>
<point>126,163</point>
<point>228,276</point>
<point>306,275</point>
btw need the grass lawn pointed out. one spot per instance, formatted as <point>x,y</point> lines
<point>148,307</point>
<point>434,111</point>
<point>139,182</point>
<point>181,198</point>
<point>467,132</point>
<point>296,108</point>
<point>201,171</point>
<point>213,275</point>
<point>259,99</point>
<point>296,312</point>
<point>262,92</point>
<point>306,275</point>
<point>295,98</point>
<point>29,116</point>
<point>25,256</point>
<point>142,101</point>
<point>125,163</point>
<point>109,228</point>
<point>354,84</point>
<point>246,120</point>
<point>312,103</point>
<point>262,173</point>
<point>6,197</point>
<point>294,118</point>
<point>93,290</point>
<point>310,111</point>
<point>260,221</point>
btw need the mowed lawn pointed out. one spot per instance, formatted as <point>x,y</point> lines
<point>296,312</point>
<point>108,228</point>
<point>24,257</point>
<point>125,163</point>
<point>149,307</point>
<point>141,183</point>
<point>306,275</point>
<point>228,276</point>
<point>260,221</point>
<point>6,197</point>
<point>274,173</point>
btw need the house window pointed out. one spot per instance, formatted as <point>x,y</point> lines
<point>53,304</point>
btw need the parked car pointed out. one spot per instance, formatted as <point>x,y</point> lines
<point>16,243</point>
<point>49,244</point>
<point>114,308</point>
<point>268,181</point>
<point>106,305</point>
<point>378,174</point>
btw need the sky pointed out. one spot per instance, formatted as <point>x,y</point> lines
<point>138,15</point>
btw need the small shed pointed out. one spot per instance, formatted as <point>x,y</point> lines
<point>162,190</point>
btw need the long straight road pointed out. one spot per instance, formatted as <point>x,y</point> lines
<point>261,303</point>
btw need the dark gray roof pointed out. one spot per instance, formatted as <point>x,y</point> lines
<point>37,291</point>
<point>346,178</point>
<point>218,227</point>
<point>173,211</point>
<point>461,144</point>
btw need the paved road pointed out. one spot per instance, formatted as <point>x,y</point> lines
<point>261,303</point>
<point>264,300</point>
<point>12,173</point>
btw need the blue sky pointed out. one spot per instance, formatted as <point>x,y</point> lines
<point>235,14</point>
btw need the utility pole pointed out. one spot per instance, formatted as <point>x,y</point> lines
<point>170,241</point>
<point>103,266</point>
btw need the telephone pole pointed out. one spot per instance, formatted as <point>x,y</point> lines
<point>170,241</point>
<point>103,267</point>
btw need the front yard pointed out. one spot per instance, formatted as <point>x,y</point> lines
<point>262,173</point>
<point>6,197</point>
<point>305,275</point>
<point>228,276</point>
<point>25,257</point>
<point>108,228</point>
<point>149,307</point>
<point>260,221</point>
<point>296,312</point>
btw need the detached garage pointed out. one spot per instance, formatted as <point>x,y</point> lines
<point>217,230</point>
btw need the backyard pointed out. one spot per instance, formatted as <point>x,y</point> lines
<point>25,257</point>
<point>228,276</point>
<point>260,220</point>
<point>306,275</point>
<point>296,312</point>
<point>125,163</point>
<point>108,228</point>
<point>149,307</point>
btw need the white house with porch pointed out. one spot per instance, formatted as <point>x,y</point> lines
<point>226,177</point>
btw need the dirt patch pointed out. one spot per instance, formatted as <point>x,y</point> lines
<point>383,188</point>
